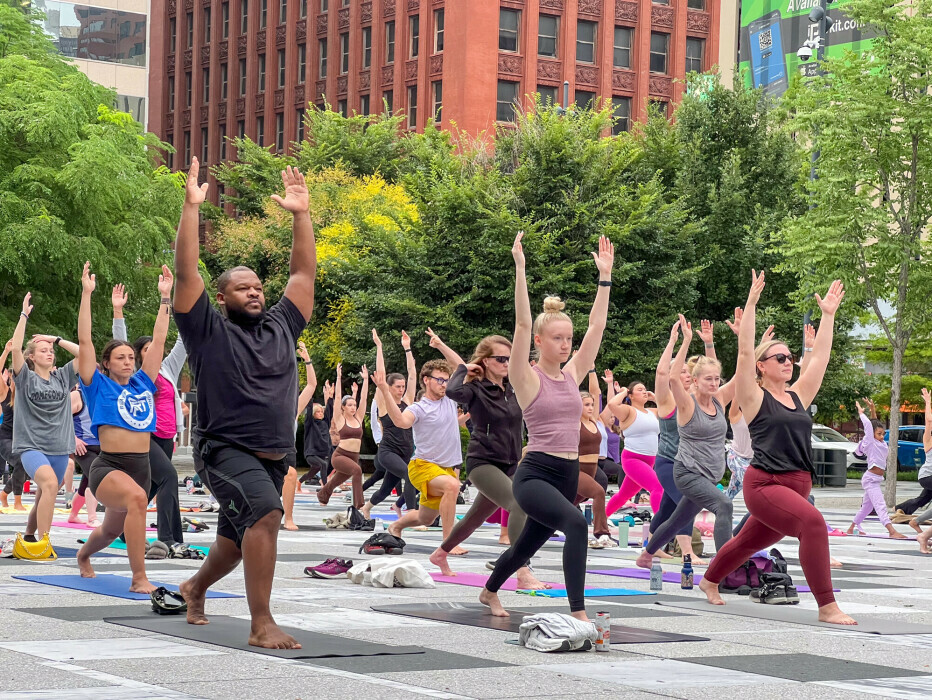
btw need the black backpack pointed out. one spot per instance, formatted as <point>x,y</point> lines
<point>383,543</point>
<point>357,521</point>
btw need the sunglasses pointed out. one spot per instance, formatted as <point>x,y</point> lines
<point>440,380</point>
<point>780,357</point>
<point>501,359</point>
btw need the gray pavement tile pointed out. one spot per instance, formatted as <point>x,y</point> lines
<point>802,667</point>
<point>430,660</point>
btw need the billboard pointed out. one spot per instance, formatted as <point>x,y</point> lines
<point>772,31</point>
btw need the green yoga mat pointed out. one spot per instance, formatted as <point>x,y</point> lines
<point>120,544</point>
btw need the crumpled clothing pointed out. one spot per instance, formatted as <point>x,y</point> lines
<point>391,573</point>
<point>549,632</point>
<point>338,522</point>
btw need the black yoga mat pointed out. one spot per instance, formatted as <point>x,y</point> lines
<point>233,633</point>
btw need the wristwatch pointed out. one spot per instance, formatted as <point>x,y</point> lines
<point>56,341</point>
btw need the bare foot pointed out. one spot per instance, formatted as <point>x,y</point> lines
<point>5,504</point>
<point>898,536</point>
<point>93,523</point>
<point>644,560</point>
<point>924,544</point>
<point>832,614</point>
<point>74,519</point>
<point>298,489</point>
<point>711,592</point>
<point>396,509</point>
<point>850,530</point>
<point>268,635</point>
<point>528,581</point>
<point>662,554</point>
<point>141,584</point>
<point>195,600</point>
<point>834,563</point>
<point>912,523</point>
<point>289,525</point>
<point>366,511</point>
<point>19,506</point>
<point>458,552</point>
<point>581,616</point>
<point>84,565</point>
<point>495,605</point>
<point>507,542</point>
<point>439,558</point>
<point>394,530</point>
<point>698,561</point>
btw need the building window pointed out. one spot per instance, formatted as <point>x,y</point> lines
<point>661,2</point>
<point>303,9</point>
<point>586,33</point>
<point>345,3</point>
<point>437,105</point>
<point>659,44</point>
<point>187,89</point>
<point>366,47</point>
<point>206,25</point>
<point>260,131</point>
<point>548,32</point>
<point>172,34</point>
<point>299,113</point>
<point>261,87</point>
<point>390,42</point>
<point>388,99</point>
<point>263,13</point>
<point>205,75</point>
<point>505,102</point>
<point>508,23</point>
<point>659,106</point>
<point>280,132</point>
<point>225,20</point>
<point>341,107</point>
<point>324,5</point>
<point>414,32</point>
<point>623,37</point>
<point>224,79</point>
<point>438,31</point>
<point>548,95</point>
<point>187,148</point>
<point>171,93</point>
<point>241,128</point>
<point>622,111</point>
<point>344,53</point>
<point>171,156</point>
<point>282,11</point>
<point>223,142</point>
<point>695,4</point>
<point>189,19</point>
<point>281,68</point>
<point>585,99</point>
<point>204,144</point>
<point>412,107</point>
<point>322,63</point>
<point>242,77</point>
<point>364,105</point>
<point>302,63</point>
<point>695,48</point>
<point>244,16</point>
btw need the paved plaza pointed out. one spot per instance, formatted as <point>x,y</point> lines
<point>56,643</point>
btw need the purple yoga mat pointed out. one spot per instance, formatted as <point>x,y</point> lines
<point>668,576</point>
<point>465,578</point>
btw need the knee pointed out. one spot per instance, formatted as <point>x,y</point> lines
<point>576,526</point>
<point>46,481</point>
<point>271,521</point>
<point>725,508</point>
<point>137,500</point>
<point>450,487</point>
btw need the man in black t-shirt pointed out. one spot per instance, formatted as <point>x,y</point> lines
<point>243,363</point>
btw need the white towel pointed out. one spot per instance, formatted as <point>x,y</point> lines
<point>556,632</point>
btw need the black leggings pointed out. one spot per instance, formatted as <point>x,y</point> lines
<point>919,502</point>
<point>164,488</point>
<point>14,477</point>
<point>316,465</point>
<point>377,475</point>
<point>545,487</point>
<point>396,470</point>
<point>611,468</point>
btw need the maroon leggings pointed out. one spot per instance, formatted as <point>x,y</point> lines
<point>778,507</point>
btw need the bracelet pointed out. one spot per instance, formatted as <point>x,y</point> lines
<point>308,363</point>
<point>605,283</point>
<point>808,349</point>
<point>166,300</point>
<point>24,315</point>
<point>407,349</point>
<point>592,371</point>
<point>708,345</point>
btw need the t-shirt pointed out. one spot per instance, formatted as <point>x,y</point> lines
<point>246,377</point>
<point>437,432</point>
<point>130,406</point>
<point>82,425</point>
<point>42,420</point>
<point>166,425</point>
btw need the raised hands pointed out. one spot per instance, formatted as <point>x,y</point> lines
<point>194,193</point>
<point>859,407</point>
<point>736,324</point>
<point>378,378</point>
<point>808,336</point>
<point>435,341</point>
<point>517,250</point>
<point>364,372</point>
<point>608,377</point>
<point>303,353</point>
<point>376,339</point>
<point>27,306</point>
<point>757,286</point>
<point>687,329</point>
<point>296,199</point>
<point>405,340</point>
<point>88,282</point>
<point>705,333</point>
<point>926,396</point>
<point>165,282</point>
<point>832,300</point>
<point>768,335</point>
<point>605,258</point>
<point>118,297</point>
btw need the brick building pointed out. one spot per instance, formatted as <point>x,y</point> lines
<point>233,67</point>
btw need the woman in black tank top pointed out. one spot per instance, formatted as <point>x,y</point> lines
<point>779,479</point>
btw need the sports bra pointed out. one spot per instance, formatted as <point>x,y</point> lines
<point>589,442</point>
<point>348,432</point>
<point>641,436</point>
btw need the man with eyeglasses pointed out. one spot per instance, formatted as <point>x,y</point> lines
<point>437,448</point>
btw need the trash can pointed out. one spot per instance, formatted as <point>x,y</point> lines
<point>831,467</point>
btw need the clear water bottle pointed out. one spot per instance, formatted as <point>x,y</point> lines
<point>686,575</point>
<point>656,575</point>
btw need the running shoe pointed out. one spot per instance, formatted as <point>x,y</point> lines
<point>332,568</point>
<point>348,497</point>
<point>607,542</point>
<point>594,543</point>
<point>6,547</point>
<point>792,595</point>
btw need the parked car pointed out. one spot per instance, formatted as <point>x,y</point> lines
<point>825,438</point>
<point>909,451</point>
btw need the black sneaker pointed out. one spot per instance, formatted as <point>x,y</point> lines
<point>792,595</point>
<point>769,595</point>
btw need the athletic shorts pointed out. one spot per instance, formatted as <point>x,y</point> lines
<point>291,460</point>
<point>33,459</point>
<point>133,464</point>
<point>420,473</point>
<point>247,487</point>
<point>84,462</point>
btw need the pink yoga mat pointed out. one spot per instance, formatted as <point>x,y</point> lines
<point>465,578</point>
<point>668,576</point>
<point>82,526</point>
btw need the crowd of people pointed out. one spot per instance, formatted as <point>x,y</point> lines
<point>538,447</point>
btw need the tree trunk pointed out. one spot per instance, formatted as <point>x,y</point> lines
<point>896,380</point>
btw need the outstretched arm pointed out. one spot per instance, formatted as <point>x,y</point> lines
<point>606,416</point>
<point>363,395</point>
<point>411,386</point>
<point>20,334</point>
<point>808,384</point>
<point>4,386</point>
<point>522,377</point>
<point>748,393</point>
<point>400,419</point>
<point>187,243</point>
<point>304,398</point>
<point>451,356</point>
<point>118,299</point>
<point>303,269</point>
<point>927,434</point>
<point>707,336</point>
<point>153,361</point>
<point>87,357</point>
<point>665,401</point>
<point>684,403</point>
<point>379,366</point>
<point>809,336</point>
<point>591,342</point>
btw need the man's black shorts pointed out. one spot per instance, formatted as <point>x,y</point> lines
<point>247,487</point>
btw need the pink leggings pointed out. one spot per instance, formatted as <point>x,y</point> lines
<point>873,500</point>
<point>639,474</point>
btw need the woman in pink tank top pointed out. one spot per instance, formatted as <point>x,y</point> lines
<point>548,392</point>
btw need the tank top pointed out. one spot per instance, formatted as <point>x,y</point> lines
<point>642,435</point>
<point>399,441</point>
<point>702,442</point>
<point>924,471</point>
<point>552,417</point>
<point>348,432</point>
<point>6,428</point>
<point>782,437</point>
<point>589,442</point>
<point>603,439</point>
<point>668,442</point>
<point>741,441</point>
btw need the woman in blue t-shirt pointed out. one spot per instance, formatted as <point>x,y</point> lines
<point>121,400</point>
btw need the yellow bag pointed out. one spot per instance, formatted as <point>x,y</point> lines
<point>34,551</point>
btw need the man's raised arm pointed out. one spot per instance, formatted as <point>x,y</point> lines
<point>188,283</point>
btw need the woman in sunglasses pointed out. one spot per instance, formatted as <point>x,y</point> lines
<point>778,481</point>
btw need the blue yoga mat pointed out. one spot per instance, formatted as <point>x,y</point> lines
<point>590,592</point>
<point>71,553</point>
<point>107,584</point>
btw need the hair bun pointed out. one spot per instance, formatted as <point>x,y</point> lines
<point>553,305</point>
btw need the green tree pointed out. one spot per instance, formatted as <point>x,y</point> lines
<point>868,122</point>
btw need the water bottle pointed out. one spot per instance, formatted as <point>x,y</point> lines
<point>645,532</point>
<point>656,575</point>
<point>686,575</point>
<point>189,485</point>
<point>588,514</point>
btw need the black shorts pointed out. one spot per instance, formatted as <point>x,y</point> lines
<point>84,462</point>
<point>247,487</point>
<point>291,460</point>
<point>135,464</point>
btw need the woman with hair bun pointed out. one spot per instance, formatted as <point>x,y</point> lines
<point>346,428</point>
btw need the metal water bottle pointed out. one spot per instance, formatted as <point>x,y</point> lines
<point>656,575</point>
<point>686,575</point>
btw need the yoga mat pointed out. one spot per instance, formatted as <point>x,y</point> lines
<point>120,544</point>
<point>804,668</point>
<point>477,615</point>
<point>668,577</point>
<point>107,584</point>
<point>233,633</point>
<point>875,537</point>
<point>465,578</point>
<point>83,526</point>
<point>63,553</point>
<point>590,592</point>
<point>906,552</point>
<point>858,567</point>
<point>791,614</point>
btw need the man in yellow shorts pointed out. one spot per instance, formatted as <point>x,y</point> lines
<point>437,448</point>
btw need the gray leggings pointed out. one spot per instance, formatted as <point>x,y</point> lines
<point>494,492</point>
<point>698,492</point>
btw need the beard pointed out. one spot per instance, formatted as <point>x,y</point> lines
<point>244,319</point>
